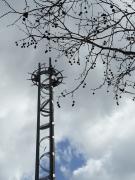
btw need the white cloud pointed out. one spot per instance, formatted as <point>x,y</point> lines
<point>107,143</point>
<point>92,170</point>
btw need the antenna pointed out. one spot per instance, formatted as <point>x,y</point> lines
<point>45,78</point>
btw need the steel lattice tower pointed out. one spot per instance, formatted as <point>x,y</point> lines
<point>46,78</point>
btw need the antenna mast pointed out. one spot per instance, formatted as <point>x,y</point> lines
<point>45,78</point>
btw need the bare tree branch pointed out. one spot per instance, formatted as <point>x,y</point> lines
<point>105,27</point>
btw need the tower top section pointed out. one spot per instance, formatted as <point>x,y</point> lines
<point>43,73</point>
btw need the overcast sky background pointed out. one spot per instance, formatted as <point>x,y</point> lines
<point>95,139</point>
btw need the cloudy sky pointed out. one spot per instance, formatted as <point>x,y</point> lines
<point>95,139</point>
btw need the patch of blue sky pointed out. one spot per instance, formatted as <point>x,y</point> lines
<point>68,160</point>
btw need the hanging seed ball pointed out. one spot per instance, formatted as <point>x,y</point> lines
<point>73,103</point>
<point>25,15</point>
<point>16,43</point>
<point>111,6</point>
<point>58,104</point>
<point>117,103</point>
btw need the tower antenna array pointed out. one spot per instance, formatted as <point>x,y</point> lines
<point>45,78</point>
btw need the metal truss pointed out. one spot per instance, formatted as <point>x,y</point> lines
<point>45,78</point>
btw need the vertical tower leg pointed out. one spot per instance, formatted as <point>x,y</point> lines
<point>52,148</point>
<point>38,128</point>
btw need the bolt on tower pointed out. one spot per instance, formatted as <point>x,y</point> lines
<point>45,78</point>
